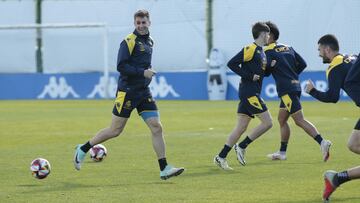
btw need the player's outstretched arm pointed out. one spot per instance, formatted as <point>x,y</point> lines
<point>332,94</point>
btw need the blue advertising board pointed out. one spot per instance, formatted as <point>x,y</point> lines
<point>165,85</point>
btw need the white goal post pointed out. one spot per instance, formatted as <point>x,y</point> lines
<point>40,27</point>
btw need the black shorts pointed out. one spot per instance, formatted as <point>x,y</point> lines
<point>291,102</point>
<point>125,102</point>
<point>355,96</point>
<point>357,126</point>
<point>251,106</point>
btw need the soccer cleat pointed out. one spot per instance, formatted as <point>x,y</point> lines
<point>170,171</point>
<point>222,163</point>
<point>330,186</point>
<point>277,156</point>
<point>325,149</point>
<point>78,157</point>
<point>240,153</point>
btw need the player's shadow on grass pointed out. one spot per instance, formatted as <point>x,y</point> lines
<point>70,186</point>
<point>29,185</point>
<point>63,186</point>
<point>350,199</point>
<point>92,162</point>
<point>160,182</point>
<point>319,199</point>
<point>208,170</point>
<point>277,162</point>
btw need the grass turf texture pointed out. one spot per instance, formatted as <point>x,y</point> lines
<point>195,131</point>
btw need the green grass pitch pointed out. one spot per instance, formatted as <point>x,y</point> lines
<point>195,131</point>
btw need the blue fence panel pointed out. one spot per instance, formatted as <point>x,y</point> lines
<point>165,85</point>
<point>269,88</point>
<point>171,85</point>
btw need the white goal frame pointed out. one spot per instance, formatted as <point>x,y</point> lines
<point>39,27</point>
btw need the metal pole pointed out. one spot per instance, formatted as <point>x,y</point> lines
<point>39,59</point>
<point>209,26</point>
<point>106,61</point>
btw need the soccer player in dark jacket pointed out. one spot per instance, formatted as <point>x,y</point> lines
<point>285,64</point>
<point>134,65</point>
<point>249,64</point>
<point>342,73</point>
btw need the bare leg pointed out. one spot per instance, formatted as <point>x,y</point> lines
<point>283,117</point>
<point>354,173</point>
<point>265,125</point>
<point>116,127</point>
<point>166,171</point>
<point>240,128</point>
<point>308,127</point>
<point>334,179</point>
<point>157,136</point>
<point>354,142</point>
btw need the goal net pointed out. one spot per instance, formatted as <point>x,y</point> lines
<point>54,48</point>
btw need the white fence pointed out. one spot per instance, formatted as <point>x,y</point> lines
<point>178,28</point>
<point>301,24</point>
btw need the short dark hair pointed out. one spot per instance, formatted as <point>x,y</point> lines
<point>329,40</point>
<point>259,27</point>
<point>142,13</point>
<point>274,30</point>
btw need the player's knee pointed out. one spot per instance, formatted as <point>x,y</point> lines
<point>268,124</point>
<point>156,128</point>
<point>281,121</point>
<point>241,128</point>
<point>116,131</point>
<point>354,147</point>
<point>300,122</point>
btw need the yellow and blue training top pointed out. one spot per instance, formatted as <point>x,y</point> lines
<point>250,61</point>
<point>289,64</point>
<point>352,82</point>
<point>134,57</point>
<point>335,74</point>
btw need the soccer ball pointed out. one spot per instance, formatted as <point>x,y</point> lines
<point>98,152</point>
<point>40,168</point>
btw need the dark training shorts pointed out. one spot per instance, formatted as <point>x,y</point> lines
<point>357,126</point>
<point>251,106</point>
<point>291,102</point>
<point>125,102</point>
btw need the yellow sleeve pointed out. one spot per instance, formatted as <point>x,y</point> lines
<point>249,52</point>
<point>130,41</point>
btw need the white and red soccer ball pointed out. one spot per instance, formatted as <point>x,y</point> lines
<point>40,168</point>
<point>98,152</point>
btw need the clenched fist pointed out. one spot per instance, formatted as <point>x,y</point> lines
<point>148,73</point>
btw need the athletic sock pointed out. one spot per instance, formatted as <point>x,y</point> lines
<point>245,142</point>
<point>342,177</point>
<point>318,139</point>
<point>224,152</point>
<point>86,147</point>
<point>162,163</point>
<point>283,147</point>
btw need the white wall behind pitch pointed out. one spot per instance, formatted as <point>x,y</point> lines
<point>17,47</point>
<point>177,28</point>
<point>301,24</point>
